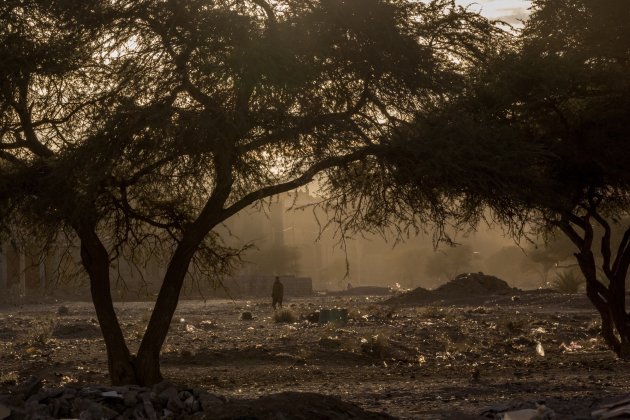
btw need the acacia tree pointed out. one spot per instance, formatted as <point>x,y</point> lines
<point>541,138</point>
<point>586,128</point>
<point>145,124</point>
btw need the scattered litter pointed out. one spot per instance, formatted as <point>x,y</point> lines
<point>333,315</point>
<point>207,325</point>
<point>540,349</point>
<point>571,347</point>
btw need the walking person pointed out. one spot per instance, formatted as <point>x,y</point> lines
<point>277,293</point>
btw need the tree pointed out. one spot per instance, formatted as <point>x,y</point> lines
<point>575,59</point>
<point>140,126</point>
<point>550,254</point>
<point>445,265</point>
<point>541,138</point>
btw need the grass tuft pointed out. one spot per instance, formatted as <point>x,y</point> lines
<point>285,316</point>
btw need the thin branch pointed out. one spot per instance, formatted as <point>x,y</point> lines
<point>306,177</point>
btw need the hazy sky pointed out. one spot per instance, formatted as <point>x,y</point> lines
<point>508,10</point>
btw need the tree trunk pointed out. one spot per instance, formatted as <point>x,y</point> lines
<point>95,260</point>
<point>148,360</point>
<point>617,303</point>
<point>610,303</point>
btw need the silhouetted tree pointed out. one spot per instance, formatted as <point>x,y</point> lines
<point>142,125</point>
<point>447,264</point>
<point>541,137</point>
<point>569,85</point>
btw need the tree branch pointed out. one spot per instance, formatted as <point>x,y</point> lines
<point>306,177</point>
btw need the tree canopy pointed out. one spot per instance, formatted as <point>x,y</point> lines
<point>540,137</point>
<point>145,124</point>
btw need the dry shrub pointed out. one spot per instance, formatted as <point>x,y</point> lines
<point>9,378</point>
<point>285,316</point>
<point>514,326</point>
<point>568,281</point>
<point>41,331</point>
<point>376,345</point>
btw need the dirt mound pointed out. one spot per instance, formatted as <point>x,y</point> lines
<point>474,284</point>
<point>415,296</point>
<point>467,285</point>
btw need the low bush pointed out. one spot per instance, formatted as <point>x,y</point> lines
<point>285,316</point>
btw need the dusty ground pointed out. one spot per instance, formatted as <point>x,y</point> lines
<point>451,358</point>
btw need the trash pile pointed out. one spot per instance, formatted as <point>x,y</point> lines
<point>465,285</point>
<point>166,400</point>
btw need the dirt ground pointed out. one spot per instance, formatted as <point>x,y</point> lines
<point>446,359</point>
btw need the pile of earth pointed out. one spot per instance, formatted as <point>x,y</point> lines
<point>466,285</point>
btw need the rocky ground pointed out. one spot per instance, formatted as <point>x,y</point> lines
<point>447,356</point>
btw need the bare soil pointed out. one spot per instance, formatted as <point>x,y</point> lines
<point>450,358</point>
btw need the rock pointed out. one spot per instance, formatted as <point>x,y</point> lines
<point>173,403</point>
<point>85,409</point>
<point>4,411</point>
<point>111,394</point>
<point>29,387</point>
<point>161,386</point>
<point>35,411</point>
<point>209,402</point>
<point>130,398</point>
<point>526,414</point>
<point>148,406</point>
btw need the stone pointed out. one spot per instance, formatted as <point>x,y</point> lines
<point>86,409</point>
<point>159,387</point>
<point>209,402</point>
<point>130,398</point>
<point>148,406</point>
<point>4,411</point>
<point>173,403</point>
<point>30,386</point>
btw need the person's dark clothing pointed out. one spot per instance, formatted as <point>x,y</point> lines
<point>277,294</point>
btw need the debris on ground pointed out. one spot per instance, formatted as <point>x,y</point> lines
<point>363,291</point>
<point>333,315</point>
<point>166,400</point>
